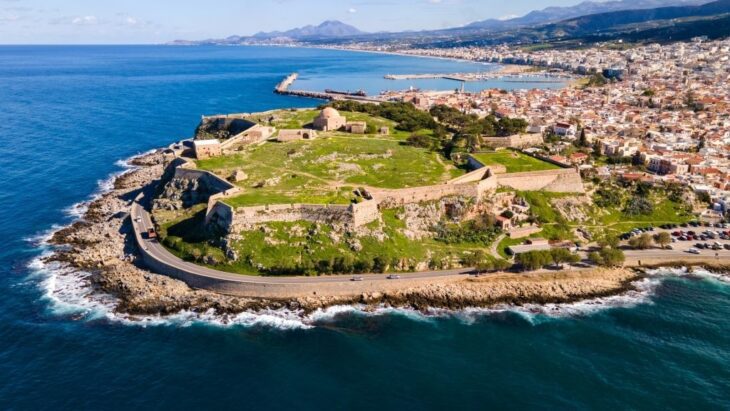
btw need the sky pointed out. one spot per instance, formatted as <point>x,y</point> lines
<point>159,21</point>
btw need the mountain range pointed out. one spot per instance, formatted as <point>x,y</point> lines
<point>587,19</point>
<point>554,14</point>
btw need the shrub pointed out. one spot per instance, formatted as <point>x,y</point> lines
<point>639,206</point>
<point>641,242</point>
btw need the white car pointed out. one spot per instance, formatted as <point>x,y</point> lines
<point>693,251</point>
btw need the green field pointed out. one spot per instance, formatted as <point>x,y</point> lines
<point>325,170</point>
<point>514,161</point>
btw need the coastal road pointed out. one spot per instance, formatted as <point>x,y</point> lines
<point>142,221</point>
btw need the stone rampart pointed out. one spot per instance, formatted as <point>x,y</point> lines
<point>475,164</point>
<point>400,197</point>
<point>244,218</point>
<point>516,141</point>
<point>565,180</point>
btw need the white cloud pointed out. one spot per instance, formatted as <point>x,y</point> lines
<point>85,21</point>
<point>352,10</point>
<point>9,18</point>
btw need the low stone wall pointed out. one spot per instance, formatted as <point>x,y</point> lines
<point>566,180</point>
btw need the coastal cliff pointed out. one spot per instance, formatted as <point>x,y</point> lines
<point>101,243</point>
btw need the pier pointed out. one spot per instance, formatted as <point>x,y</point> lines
<point>284,88</point>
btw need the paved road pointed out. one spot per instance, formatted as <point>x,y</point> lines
<point>156,250</point>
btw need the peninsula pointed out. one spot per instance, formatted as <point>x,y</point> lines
<point>382,203</point>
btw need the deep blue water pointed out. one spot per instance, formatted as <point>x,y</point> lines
<point>67,114</point>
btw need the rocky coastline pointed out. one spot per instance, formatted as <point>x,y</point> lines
<point>101,244</point>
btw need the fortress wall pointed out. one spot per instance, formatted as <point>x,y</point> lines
<point>476,175</point>
<point>365,212</point>
<point>488,185</point>
<point>220,215</point>
<point>566,180</point>
<point>475,164</point>
<point>396,198</point>
<point>516,141</point>
<point>245,217</point>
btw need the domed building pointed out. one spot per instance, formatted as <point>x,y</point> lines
<point>329,119</point>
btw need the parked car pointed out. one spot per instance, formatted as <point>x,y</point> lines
<point>393,277</point>
<point>693,251</point>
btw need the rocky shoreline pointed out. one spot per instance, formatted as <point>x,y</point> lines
<point>101,244</point>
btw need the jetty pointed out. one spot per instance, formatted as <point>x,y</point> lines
<point>284,88</point>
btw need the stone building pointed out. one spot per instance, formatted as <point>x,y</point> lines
<point>357,127</point>
<point>207,148</point>
<point>329,120</point>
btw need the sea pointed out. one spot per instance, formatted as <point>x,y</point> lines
<point>69,118</point>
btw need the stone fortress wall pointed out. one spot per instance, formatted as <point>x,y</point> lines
<point>564,180</point>
<point>515,141</point>
<point>475,185</point>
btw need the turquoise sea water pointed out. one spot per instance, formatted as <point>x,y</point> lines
<point>68,114</point>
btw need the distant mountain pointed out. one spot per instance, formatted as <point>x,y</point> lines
<point>535,27</point>
<point>630,25</point>
<point>555,14</point>
<point>618,20</point>
<point>328,29</point>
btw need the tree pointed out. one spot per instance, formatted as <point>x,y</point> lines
<point>583,139</point>
<point>502,265</point>
<point>380,264</point>
<point>484,266</point>
<point>641,242</point>
<point>663,239</point>
<point>608,240</point>
<point>560,256</point>
<point>474,259</point>
<point>607,257</point>
<point>638,206</point>
<point>534,260</point>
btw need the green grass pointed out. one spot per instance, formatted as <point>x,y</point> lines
<point>317,171</point>
<point>514,161</point>
<point>266,197</point>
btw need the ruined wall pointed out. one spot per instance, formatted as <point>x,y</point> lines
<point>566,180</point>
<point>399,197</point>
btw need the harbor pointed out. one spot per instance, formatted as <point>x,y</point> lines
<point>284,88</point>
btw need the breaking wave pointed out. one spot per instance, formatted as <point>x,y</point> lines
<point>70,294</point>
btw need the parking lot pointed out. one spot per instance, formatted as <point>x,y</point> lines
<point>693,238</point>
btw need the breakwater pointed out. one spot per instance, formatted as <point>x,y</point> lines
<point>284,88</point>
